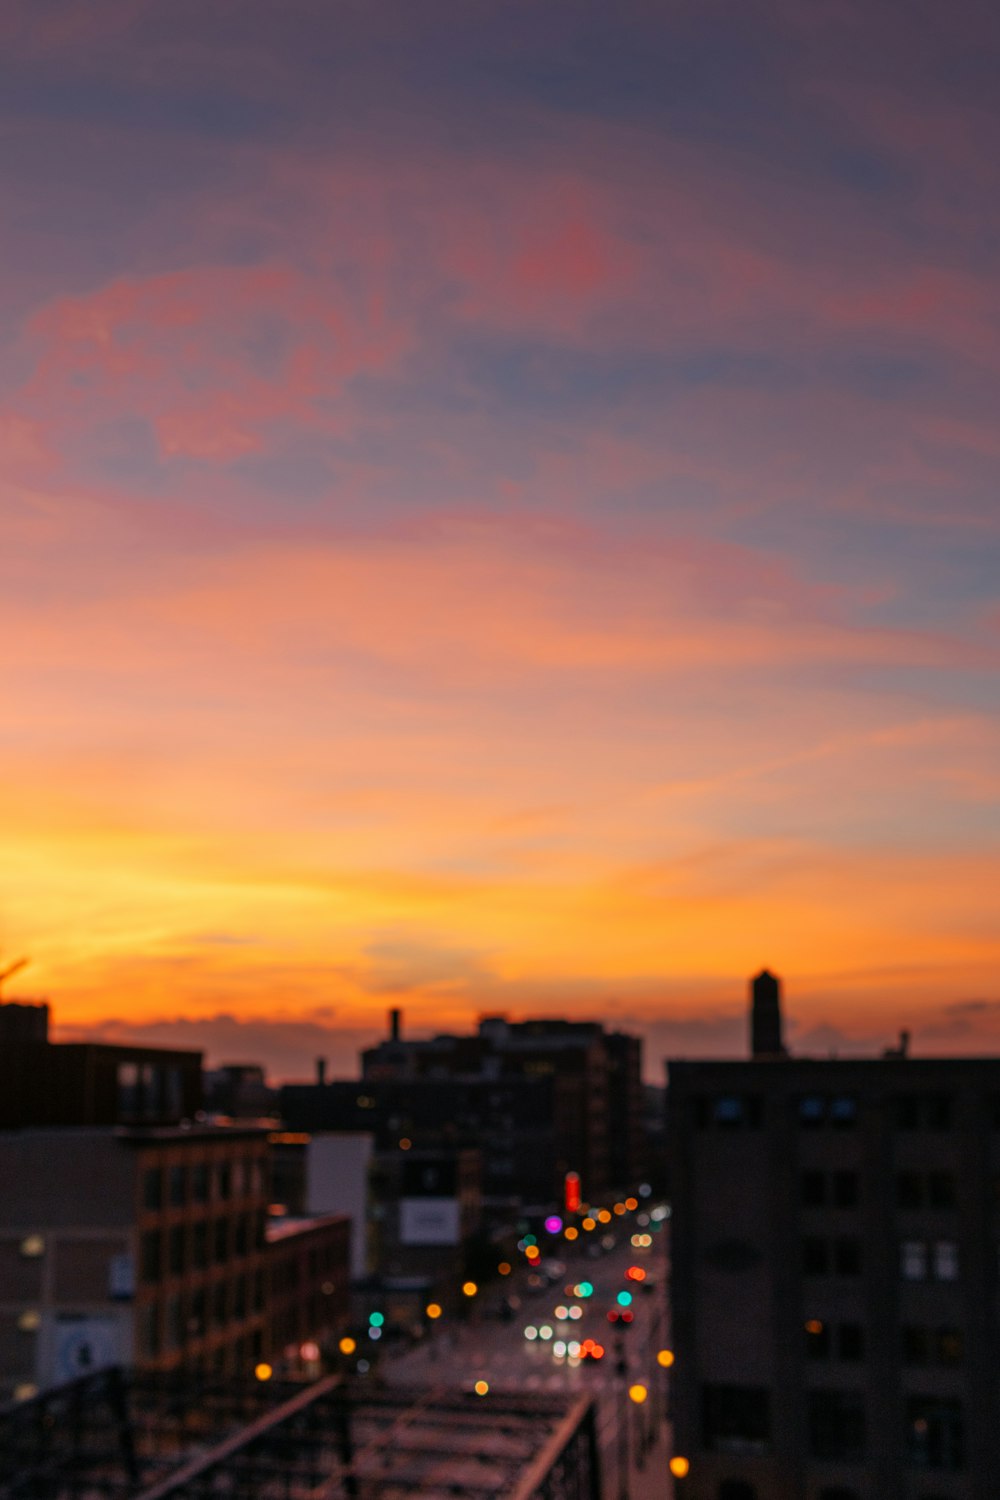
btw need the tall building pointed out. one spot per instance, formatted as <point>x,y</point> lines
<point>835,1276</point>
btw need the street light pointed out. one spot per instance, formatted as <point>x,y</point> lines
<point>680,1467</point>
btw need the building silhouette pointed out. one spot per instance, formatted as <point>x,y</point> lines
<point>835,1240</point>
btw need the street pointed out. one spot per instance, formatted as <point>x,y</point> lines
<point>548,1345</point>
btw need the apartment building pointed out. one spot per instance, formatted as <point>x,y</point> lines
<point>836,1276</point>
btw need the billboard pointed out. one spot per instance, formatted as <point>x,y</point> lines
<point>429,1221</point>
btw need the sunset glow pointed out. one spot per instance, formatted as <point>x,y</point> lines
<point>498,511</point>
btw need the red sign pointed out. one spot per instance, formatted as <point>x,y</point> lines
<point>572,1192</point>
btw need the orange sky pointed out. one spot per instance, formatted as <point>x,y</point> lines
<point>475,543</point>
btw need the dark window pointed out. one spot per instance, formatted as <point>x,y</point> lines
<point>935,1433</point>
<point>221,1241</point>
<point>815,1256</point>
<point>242,1234</point>
<point>847,1257</point>
<point>219,1304</point>
<point>152,1187</point>
<point>940,1190</point>
<point>223,1180</point>
<point>199,1182</point>
<point>150,1328</point>
<point>851,1341</point>
<point>813,1189</point>
<point>843,1110</point>
<point>178,1184</point>
<point>907,1112</point>
<point>845,1189</point>
<point>736,1419</point>
<point>836,1425</point>
<point>817,1339</point>
<point>948,1346</point>
<point>916,1346</point>
<point>838,1492</point>
<point>938,1111</point>
<point>176,1250</point>
<point>151,1256</point>
<point>737,1489</point>
<point>240,1298</point>
<point>196,1319</point>
<point>175,1323</point>
<point>199,1245</point>
<point>909,1190</point>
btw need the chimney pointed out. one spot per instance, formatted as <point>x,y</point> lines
<point>321,1070</point>
<point>394,1018</point>
<point>765,1016</point>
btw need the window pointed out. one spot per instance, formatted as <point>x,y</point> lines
<point>175,1252</point>
<point>149,1328</point>
<point>909,1190</point>
<point>151,1256</point>
<point>736,1419</point>
<point>199,1245</point>
<point>838,1492</point>
<point>913,1260</point>
<point>843,1110</point>
<point>220,1240</point>
<point>728,1110</point>
<point>924,1111</point>
<point>813,1189</point>
<point>945,1260</point>
<point>199,1182</point>
<point>177,1184</point>
<point>219,1304</point>
<point>847,1257</point>
<point>737,1489</point>
<point>932,1346</point>
<point>223,1181</point>
<point>817,1339</point>
<point>175,1323</point>
<point>845,1189</point>
<point>815,1257</point>
<point>812,1110</point>
<point>940,1190</point>
<point>836,1425</point>
<point>851,1342</point>
<point>935,1433</point>
<point>152,1187</point>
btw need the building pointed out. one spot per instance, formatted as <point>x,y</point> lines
<point>327,1174</point>
<point>835,1240</point>
<point>89,1083</point>
<point>139,1247</point>
<point>537,1098</point>
<point>308,1288</point>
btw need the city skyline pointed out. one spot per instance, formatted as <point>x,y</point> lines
<point>498,513</point>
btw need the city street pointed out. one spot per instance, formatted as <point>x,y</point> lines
<point>534,1351</point>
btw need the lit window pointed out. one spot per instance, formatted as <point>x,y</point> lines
<point>913,1260</point>
<point>32,1246</point>
<point>945,1260</point>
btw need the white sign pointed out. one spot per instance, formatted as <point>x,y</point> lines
<point>429,1221</point>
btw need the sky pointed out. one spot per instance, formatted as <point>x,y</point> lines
<point>499,512</point>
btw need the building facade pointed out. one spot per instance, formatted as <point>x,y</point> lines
<point>140,1247</point>
<point>835,1287</point>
